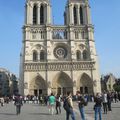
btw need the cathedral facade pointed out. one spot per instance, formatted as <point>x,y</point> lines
<point>58,58</point>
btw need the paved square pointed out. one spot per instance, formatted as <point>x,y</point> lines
<point>37,112</point>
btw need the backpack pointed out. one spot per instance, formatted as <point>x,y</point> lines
<point>66,105</point>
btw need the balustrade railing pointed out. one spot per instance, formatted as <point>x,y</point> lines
<point>53,66</point>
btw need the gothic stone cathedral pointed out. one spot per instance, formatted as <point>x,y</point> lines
<point>58,58</point>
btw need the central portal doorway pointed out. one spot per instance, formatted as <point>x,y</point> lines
<point>62,84</point>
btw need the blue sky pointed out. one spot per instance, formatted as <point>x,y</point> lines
<point>105,18</point>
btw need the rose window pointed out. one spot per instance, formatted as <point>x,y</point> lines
<point>60,52</point>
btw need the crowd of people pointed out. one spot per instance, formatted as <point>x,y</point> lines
<point>103,100</point>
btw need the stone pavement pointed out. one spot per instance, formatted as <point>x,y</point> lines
<point>36,112</point>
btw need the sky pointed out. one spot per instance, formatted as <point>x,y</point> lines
<point>105,18</point>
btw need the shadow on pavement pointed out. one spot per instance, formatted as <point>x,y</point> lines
<point>7,114</point>
<point>39,114</point>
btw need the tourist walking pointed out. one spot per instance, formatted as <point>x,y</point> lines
<point>68,106</point>
<point>97,106</point>
<point>51,103</point>
<point>58,104</point>
<point>81,105</point>
<point>105,101</point>
<point>18,103</point>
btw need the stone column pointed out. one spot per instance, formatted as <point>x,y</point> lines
<point>31,14</point>
<point>38,14</point>
<point>74,87</point>
<point>26,14</point>
<point>88,16</point>
<point>49,91</point>
<point>48,12</point>
<point>49,86</point>
<point>78,15</point>
<point>71,14</point>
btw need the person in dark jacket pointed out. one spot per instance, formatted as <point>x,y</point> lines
<point>97,106</point>
<point>109,97</point>
<point>81,104</point>
<point>18,103</point>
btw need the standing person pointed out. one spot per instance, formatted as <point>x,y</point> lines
<point>2,101</point>
<point>68,106</point>
<point>105,101</point>
<point>45,100</point>
<point>52,103</point>
<point>109,97</point>
<point>18,103</point>
<point>116,97</point>
<point>97,106</point>
<point>58,104</point>
<point>81,105</point>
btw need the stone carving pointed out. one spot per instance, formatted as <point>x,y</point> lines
<point>26,85</point>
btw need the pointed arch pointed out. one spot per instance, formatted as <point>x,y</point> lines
<point>42,55</point>
<point>85,55</point>
<point>38,85</point>
<point>35,14</point>
<point>62,83</point>
<point>76,35</point>
<point>81,15</point>
<point>75,15</point>
<point>35,55</point>
<point>85,84</point>
<point>83,34</point>
<point>41,14</point>
<point>78,55</point>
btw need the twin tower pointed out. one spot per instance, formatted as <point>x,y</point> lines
<point>58,58</point>
<point>38,12</point>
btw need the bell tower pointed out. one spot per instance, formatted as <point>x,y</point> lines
<point>77,16</point>
<point>38,12</point>
<point>77,12</point>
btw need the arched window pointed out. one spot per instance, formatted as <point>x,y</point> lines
<point>35,56</point>
<point>41,15</point>
<point>35,14</point>
<point>42,34</point>
<point>81,16</point>
<point>85,55</point>
<point>42,56</point>
<point>81,90</point>
<point>78,54</point>
<point>83,35</point>
<point>76,35</point>
<point>75,15</point>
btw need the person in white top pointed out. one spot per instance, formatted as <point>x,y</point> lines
<point>105,101</point>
